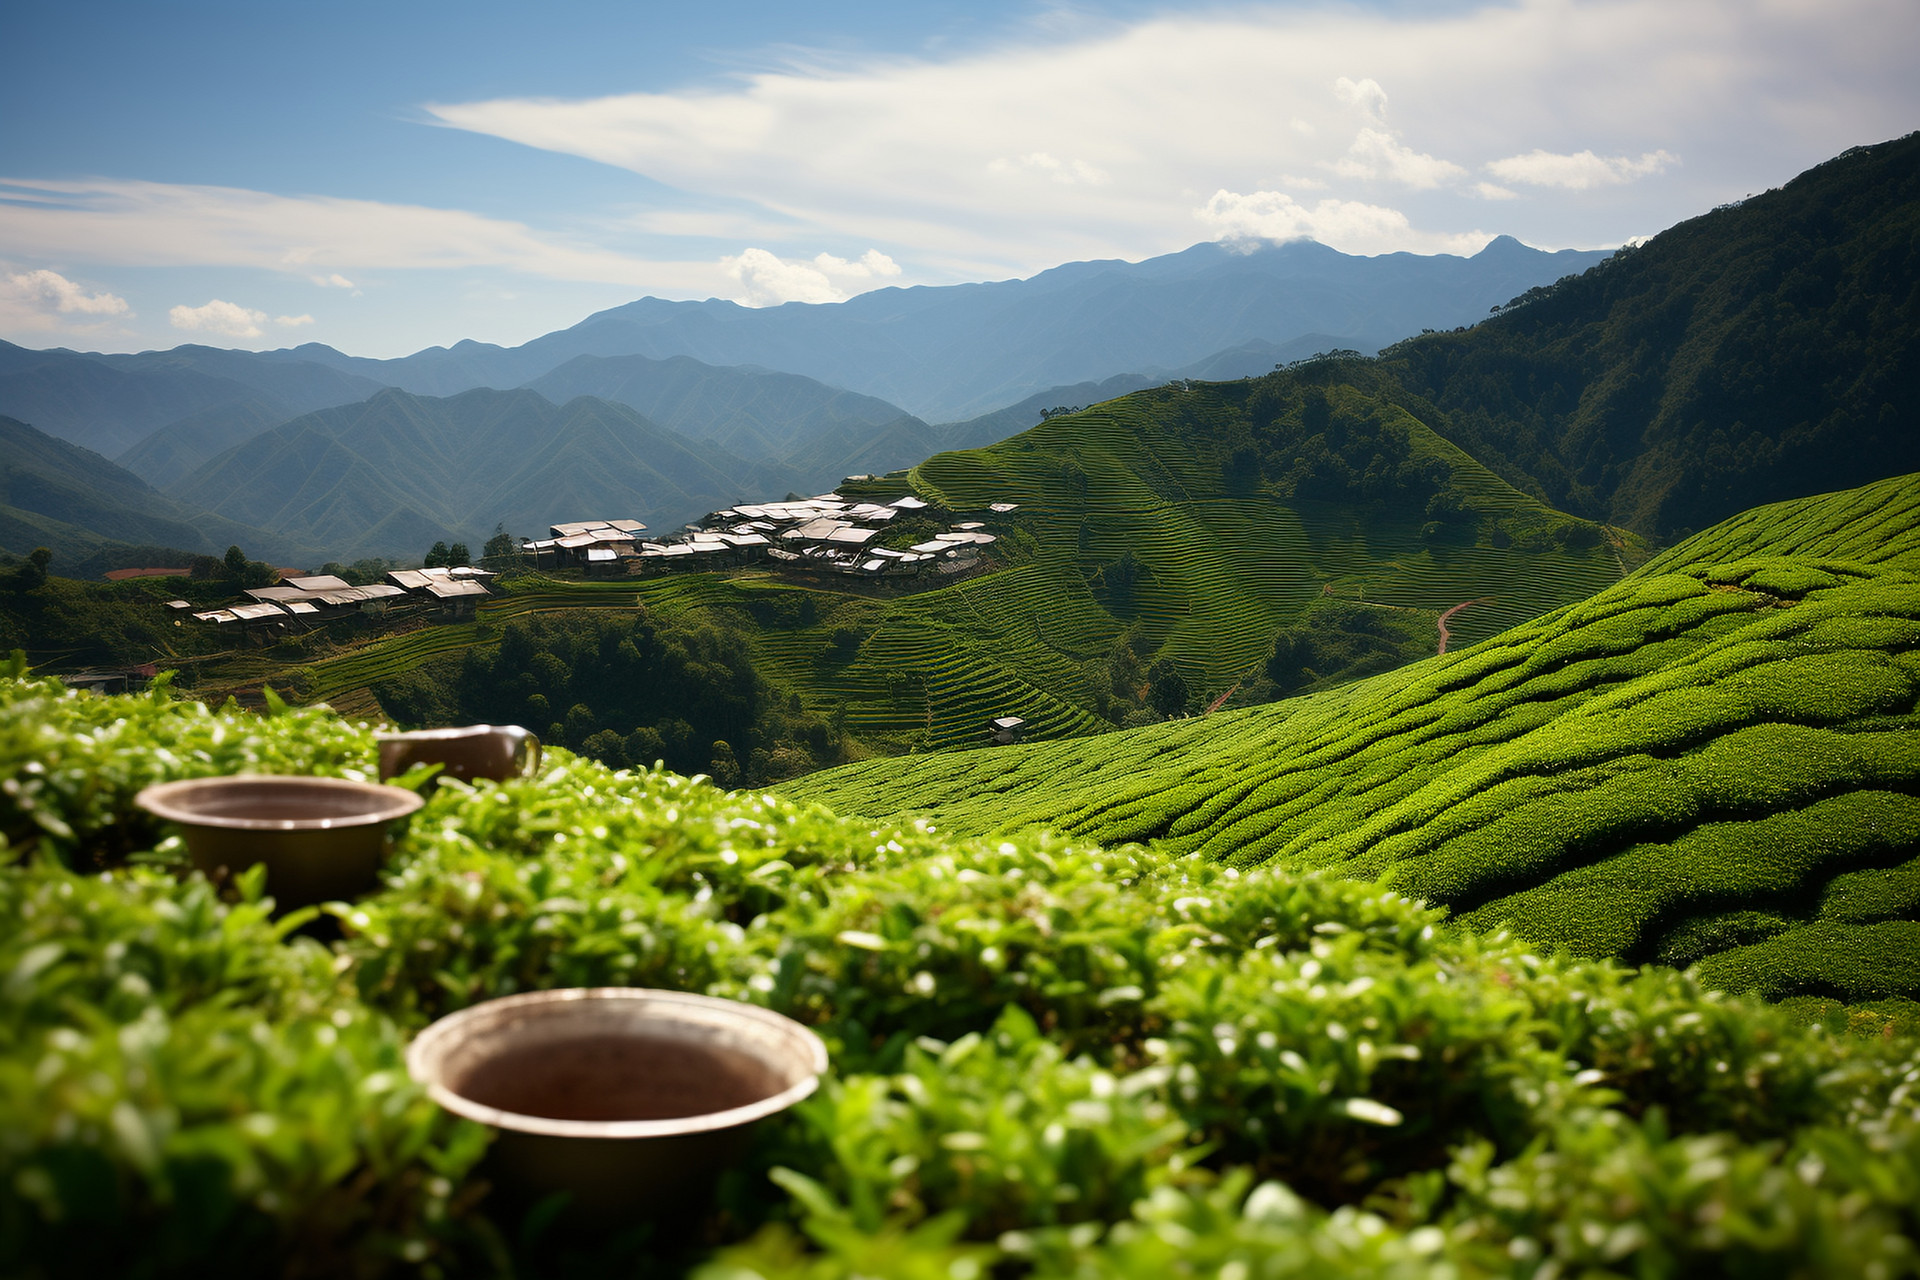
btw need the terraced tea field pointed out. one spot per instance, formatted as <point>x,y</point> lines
<point>1715,760</point>
<point>1221,566</point>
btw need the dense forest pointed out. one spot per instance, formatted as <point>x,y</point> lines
<point>627,689</point>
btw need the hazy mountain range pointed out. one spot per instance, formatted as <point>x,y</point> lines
<point>785,397</point>
<point>957,351</point>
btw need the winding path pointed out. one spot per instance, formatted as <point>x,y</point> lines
<point>1445,635</point>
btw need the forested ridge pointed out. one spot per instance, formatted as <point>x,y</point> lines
<point>1759,352</point>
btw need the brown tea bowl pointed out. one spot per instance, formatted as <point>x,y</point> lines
<point>629,1099</point>
<point>497,751</point>
<point>321,839</point>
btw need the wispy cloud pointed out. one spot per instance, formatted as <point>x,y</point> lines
<point>316,237</point>
<point>1065,172</point>
<point>1102,140</point>
<point>1581,171</point>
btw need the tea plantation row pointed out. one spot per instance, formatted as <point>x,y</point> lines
<point>1049,1059</point>
<point>1715,761</point>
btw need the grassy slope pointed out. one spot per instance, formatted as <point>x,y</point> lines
<point>1714,760</point>
<point>1223,569</point>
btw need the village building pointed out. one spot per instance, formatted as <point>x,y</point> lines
<point>570,545</point>
<point>1005,730</point>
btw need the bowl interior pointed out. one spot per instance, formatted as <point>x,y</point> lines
<point>616,1062</point>
<point>620,1077</point>
<point>277,802</point>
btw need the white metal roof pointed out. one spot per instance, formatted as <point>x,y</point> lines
<point>318,582</point>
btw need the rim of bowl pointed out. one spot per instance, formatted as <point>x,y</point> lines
<point>164,800</point>
<point>449,734</point>
<point>428,1042</point>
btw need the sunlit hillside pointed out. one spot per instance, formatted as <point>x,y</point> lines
<point>1713,761</point>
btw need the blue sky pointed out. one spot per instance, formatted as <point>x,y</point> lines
<point>384,177</point>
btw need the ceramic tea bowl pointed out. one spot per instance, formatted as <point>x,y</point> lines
<point>320,838</point>
<point>472,751</point>
<point>631,1100</point>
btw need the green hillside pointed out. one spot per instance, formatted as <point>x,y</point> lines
<point>1190,524</point>
<point>1712,761</point>
<point>86,509</point>
<point>1245,502</point>
<point>176,450</point>
<point>1759,352</point>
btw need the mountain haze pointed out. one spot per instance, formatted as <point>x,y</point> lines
<point>956,351</point>
<point>182,447</point>
<point>398,472</point>
<point>110,403</point>
<point>815,431</point>
<point>79,505</point>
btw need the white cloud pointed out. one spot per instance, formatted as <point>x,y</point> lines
<point>334,280</point>
<point>1379,155</point>
<point>767,280</point>
<point>916,153</point>
<point>41,300</point>
<point>50,291</point>
<point>228,319</point>
<point>1347,225</point>
<point>1494,191</point>
<point>1581,171</point>
<point>1366,96</point>
<point>317,237</point>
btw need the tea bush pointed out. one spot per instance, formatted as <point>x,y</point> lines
<point>1049,1058</point>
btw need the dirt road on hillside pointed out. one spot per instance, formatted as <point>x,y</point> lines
<point>1446,635</point>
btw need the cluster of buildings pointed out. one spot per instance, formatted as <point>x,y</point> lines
<point>828,533</point>
<point>300,602</point>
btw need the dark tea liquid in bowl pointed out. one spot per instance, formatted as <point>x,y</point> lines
<point>618,1078</point>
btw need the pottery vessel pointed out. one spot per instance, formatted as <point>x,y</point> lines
<point>631,1100</point>
<point>321,838</point>
<point>472,751</point>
